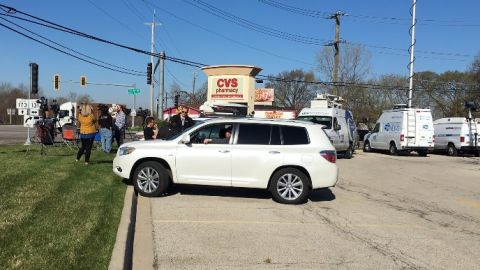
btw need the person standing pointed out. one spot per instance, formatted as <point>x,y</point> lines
<point>150,131</point>
<point>86,121</point>
<point>105,123</point>
<point>181,121</point>
<point>119,125</point>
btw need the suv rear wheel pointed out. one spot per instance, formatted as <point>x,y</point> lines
<point>150,179</point>
<point>289,186</point>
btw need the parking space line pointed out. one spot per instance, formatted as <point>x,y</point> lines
<point>399,226</point>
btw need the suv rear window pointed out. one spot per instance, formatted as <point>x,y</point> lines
<point>294,135</point>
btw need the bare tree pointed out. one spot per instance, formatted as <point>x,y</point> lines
<point>294,89</point>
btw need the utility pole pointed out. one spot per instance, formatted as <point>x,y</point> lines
<point>152,24</point>
<point>336,59</point>
<point>161,86</point>
<point>193,85</point>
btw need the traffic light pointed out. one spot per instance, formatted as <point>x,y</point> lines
<point>83,80</point>
<point>149,73</point>
<point>56,82</point>
<point>34,77</point>
<point>177,96</point>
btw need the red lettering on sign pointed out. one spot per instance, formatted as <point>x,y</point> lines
<point>227,82</point>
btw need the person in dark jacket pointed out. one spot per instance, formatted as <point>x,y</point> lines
<point>105,123</point>
<point>150,131</point>
<point>181,121</point>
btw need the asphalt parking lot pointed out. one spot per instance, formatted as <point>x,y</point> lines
<point>386,212</point>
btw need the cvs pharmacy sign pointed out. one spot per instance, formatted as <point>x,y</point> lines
<point>227,87</point>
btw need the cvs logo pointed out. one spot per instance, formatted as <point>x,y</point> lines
<point>227,82</point>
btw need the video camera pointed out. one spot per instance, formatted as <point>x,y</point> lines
<point>55,108</point>
<point>470,105</point>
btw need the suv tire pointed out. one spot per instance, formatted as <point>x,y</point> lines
<point>150,179</point>
<point>289,186</point>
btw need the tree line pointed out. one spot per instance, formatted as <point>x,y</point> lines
<point>445,93</point>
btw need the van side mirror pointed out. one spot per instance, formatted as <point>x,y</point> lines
<point>337,127</point>
<point>185,139</point>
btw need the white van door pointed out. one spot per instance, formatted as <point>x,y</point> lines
<point>424,129</point>
<point>374,138</point>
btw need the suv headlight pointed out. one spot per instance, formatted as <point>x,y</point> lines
<point>125,150</point>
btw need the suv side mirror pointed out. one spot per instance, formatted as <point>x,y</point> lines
<point>185,139</point>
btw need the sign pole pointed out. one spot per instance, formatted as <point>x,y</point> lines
<point>133,116</point>
<point>29,142</point>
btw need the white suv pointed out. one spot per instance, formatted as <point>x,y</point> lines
<point>287,157</point>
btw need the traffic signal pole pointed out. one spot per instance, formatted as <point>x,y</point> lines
<point>152,24</point>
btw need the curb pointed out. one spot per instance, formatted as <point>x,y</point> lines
<point>122,250</point>
<point>143,249</point>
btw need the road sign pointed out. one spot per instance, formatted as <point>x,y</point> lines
<point>133,91</point>
<point>10,111</point>
<point>23,103</point>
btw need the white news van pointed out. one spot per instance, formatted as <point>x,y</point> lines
<point>402,129</point>
<point>457,134</point>
<point>338,122</point>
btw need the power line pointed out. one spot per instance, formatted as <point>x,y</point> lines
<point>67,53</point>
<point>254,26</point>
<point>140,73</point>
<point>228,38</point>
<point>324,15</point>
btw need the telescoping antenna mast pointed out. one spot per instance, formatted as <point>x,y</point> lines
<point>411,50</point>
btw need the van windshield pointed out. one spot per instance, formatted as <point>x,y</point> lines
<point>322,120</point>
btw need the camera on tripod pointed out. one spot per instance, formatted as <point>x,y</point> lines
<point>470,105</point>
<point>55,108</point>
<point>43,106</point>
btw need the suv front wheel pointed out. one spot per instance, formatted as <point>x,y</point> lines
<point>150,179</point>
<point>289,186</point>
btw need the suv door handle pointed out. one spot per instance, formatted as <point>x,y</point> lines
<point>274,152</point>
<point>224,151</point>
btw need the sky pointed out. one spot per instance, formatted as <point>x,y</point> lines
<point>271,34</point>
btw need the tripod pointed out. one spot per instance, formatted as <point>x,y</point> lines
<point>45,132</point>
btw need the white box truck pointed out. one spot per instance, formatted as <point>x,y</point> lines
<point>455,135</point>
<point>338,123</point>
<point>402,129</point>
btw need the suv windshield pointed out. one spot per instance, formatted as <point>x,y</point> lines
<point>322,120</point>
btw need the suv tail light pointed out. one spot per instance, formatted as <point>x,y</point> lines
<point>402,137</point>
<point>462,139</point>
<point>329,155</point>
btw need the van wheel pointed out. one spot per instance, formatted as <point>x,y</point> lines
<point>451,150</point>
<point>150,179</point>
<point>349,153</point>
<point>393,149</point>
<point>367,147</point>
<point>289,186</point>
